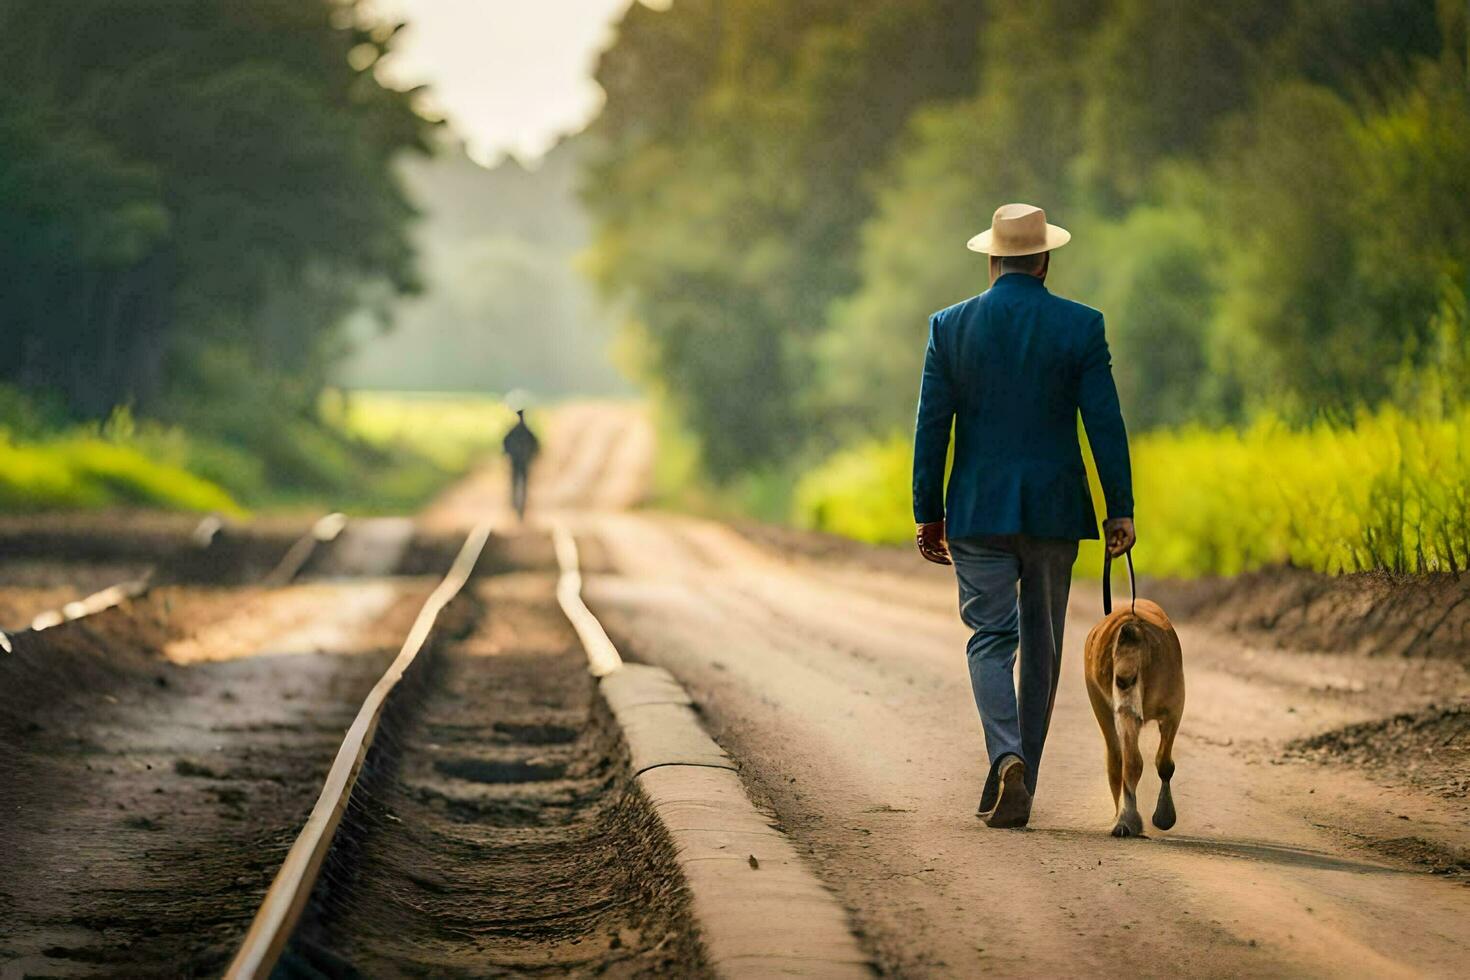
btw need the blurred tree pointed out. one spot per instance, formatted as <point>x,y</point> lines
<point>1416,178</point>
<point>1351,46</point>
<point>181,175</point>
<point>731,175</point>
<point>1014,141</point>
<point>1160,76</point>
<point>1152,274</point>
<point>1291,307</point>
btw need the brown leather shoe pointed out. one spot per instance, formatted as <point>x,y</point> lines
<point>1013,804</point>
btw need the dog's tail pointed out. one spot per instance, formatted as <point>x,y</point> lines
<point>1128,670</point>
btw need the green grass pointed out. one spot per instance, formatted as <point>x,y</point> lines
<point>1389,490</point>
<point>81,470</point>
<point>365,453</point>
<point>451,431</point>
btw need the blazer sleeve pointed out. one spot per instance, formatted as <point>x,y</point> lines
<point>1097,397</point>
<point>931,432</point>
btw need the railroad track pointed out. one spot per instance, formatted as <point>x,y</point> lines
<point>283,904</point>
<point>322,532</point>
<point>203,537</point>
<point>478,815</point>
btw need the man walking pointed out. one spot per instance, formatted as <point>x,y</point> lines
<point>521,445</point>
<point>1011,368</point>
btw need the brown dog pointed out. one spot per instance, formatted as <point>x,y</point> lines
<point>1135,673</point>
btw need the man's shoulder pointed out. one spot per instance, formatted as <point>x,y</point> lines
<point>956,311</point>
<point>1058,307</point>
<point>1072,310</point>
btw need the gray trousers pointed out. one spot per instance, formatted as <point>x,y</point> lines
<point>1013,589</point>
<point>519,475</point>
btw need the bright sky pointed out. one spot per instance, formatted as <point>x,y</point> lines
<point>510,75</point>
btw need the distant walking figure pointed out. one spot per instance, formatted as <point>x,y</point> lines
<point>1010,369</point>
<point>521,445</point>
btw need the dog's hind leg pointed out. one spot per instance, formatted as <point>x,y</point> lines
<point>1129,823</point>
<point>1164,815</point>
<point>1103,709</point>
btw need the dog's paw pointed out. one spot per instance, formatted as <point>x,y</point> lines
<point>1164,813</point>
<point>1128,825</point>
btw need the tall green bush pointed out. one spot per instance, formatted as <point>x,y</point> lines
<point>1388,490</point>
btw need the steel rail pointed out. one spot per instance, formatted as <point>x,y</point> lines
<point>114,595</point>
<point>281,909</point>
<point>602,656</point>
<point>323,531</point>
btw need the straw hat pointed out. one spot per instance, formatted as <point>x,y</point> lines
<point>1019,229</point>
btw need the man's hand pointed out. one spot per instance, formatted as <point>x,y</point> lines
<point>932,545</point>
<point>1119,534</point>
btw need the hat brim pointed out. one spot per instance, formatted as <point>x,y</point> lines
<point>1056,237</point>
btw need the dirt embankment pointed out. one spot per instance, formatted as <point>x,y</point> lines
<point>1429,748</point>
<point>148,804</point>
<point>73,545</point>
<point>1371,614</point>
<point>1421,622</point>
<point>49,560</point>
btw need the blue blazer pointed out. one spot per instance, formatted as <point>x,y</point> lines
<point>1011,368</point>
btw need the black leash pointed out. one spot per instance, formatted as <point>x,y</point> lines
<point>1108,582</point>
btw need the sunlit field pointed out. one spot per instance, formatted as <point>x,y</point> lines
<point>1388,491</point>
<point>450,430</point>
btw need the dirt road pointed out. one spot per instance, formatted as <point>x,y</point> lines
<point>841,688</point>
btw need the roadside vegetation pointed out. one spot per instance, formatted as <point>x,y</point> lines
<point>1388,490</point>
<point>90,469</point>
<point>366,452</point>
<point>1267,201</point>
